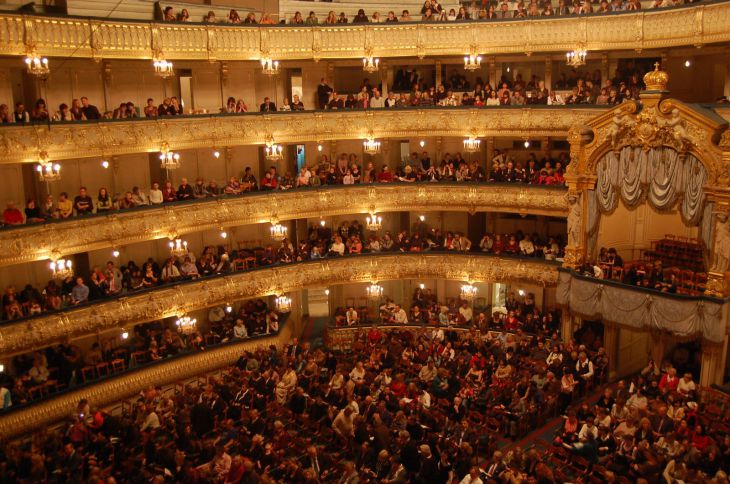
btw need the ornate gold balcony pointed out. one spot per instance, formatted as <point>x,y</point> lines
<point>99,38</point>
<point>112,390</point>
<point>176,299</point>
<point>53,240</point>
<point>86,139</point>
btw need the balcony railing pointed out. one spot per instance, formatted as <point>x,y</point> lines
<point>57,238</point>
<point>27,418</point>
<point>185,297</point>
<point>83,139</point>
<point>103,38</point>
<point>643,309</point>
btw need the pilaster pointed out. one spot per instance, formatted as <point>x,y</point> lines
<point>712,363</point>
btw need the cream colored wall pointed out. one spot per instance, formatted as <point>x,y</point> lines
<point>632,348</point>
<point>629,231</point>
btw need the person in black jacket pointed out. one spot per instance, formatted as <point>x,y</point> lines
<point>267,106</point>
<point>323,94</point>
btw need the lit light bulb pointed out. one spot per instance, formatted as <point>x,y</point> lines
<point>521,292</point>
<point>422,143</point>
<point>327,292</point>
<point>320,147</point>
<point>104,164</point>
<point>229,308</point>
<point>125,334</point>
<point>322,223</point>
<point>224,234</point>
<point>422,286</point>
<point>217,154</point>
<point>2,368</point>
<point>527,144</point>
<point>687,63</point>
<point>507,69</point>
<point>115,253</point>
<point>422,218</point>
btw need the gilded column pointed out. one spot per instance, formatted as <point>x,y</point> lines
<point>579,182</point>
<point>493,72</point>
<point>439,74</point>
<point>719,250</point>
<point>549,73</point>
<point>605,73</point>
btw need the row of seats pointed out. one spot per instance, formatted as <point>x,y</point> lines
<point>682,252</point>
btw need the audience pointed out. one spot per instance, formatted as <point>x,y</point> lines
<point>434,11</point>
<point>321,242</point>
<point>347,169</point>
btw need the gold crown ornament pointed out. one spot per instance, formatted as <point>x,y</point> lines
<point>656,80</point>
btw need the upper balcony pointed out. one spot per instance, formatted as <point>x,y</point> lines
<point>103,38</point>
<point>20,244</point>
<point>82,139</point>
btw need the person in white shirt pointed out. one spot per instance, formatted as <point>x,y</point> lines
<point>555,99</point>
<point>425,399</point>
<point>377,100</point>
<point>399,315</point>
<point>151,421</point>
<point>391,101</point>
<point>239,330</point>
<point>155,194</point>
<point>686,385</point>
<point>352,317</point>
<point>337,247</point>
<point>221,463</point>
<point>428,372</point>
<point>526,246</point>
<point>588,428</point>
<point>466,311</point>
<point>358,373</point>
<point>472,477</point>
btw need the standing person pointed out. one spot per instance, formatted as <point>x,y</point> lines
<point>323,93</point>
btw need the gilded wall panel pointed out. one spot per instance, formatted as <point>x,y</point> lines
<point>80,140</point>
<point>174,300</point>
<point>691,25</point>
<point>83,234</point>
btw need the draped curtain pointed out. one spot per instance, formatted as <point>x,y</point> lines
<point>659,175</point>
<point>684,317</point>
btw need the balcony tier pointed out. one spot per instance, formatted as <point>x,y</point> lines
<point>55,239</point>
<point>83,139</point>
<point>181,298</point>
<point>103,38</point>
<point>111,390</point>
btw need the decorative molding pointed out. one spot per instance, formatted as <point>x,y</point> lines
<point>57,239</point>
<point>176,299</point>
<point>119,39</point>
<point>23,143</point>
<point>117,388</point>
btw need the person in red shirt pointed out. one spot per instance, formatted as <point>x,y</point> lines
<point>669,381</point>
<point>11,215</point>
<point>385,176</point>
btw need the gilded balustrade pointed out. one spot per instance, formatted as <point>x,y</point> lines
<point>59,141</point>
<point>102,38</point>
<point>176,299</point>
<point>56,239</point>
